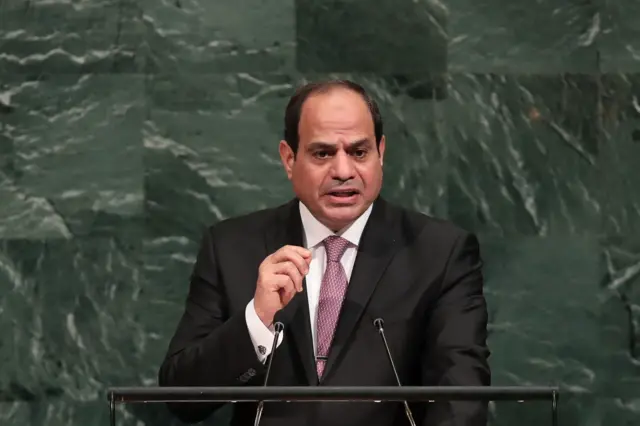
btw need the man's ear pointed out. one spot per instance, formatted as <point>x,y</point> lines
<point>381,148</point>
<point>287,157</point>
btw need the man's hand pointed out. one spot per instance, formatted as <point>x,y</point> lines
<point>279,279</point>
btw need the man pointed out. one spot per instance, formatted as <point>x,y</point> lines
<point>326,265</point>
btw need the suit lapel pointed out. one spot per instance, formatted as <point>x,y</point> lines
<point>295,316</point>
<point>376,249</point>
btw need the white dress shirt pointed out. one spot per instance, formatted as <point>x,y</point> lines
<point>314,233</point>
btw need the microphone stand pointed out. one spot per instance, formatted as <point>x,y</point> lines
<point>278,329</point>
<point>378,322</point>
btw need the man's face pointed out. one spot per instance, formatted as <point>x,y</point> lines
<point>337,171</point>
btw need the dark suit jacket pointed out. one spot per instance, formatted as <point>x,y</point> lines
<point>421,275</point>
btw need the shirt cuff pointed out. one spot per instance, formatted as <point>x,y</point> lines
<point>261,335</point>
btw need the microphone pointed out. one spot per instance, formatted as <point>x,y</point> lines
<point>278,329</point>
<point>378,322</point>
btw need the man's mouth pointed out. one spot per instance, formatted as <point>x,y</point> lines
<point>343,193</point>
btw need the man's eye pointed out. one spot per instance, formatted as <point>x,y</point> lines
<point>321,154</point>
<point>360,153</point>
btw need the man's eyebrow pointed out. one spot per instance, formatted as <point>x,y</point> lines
<point>358,143</point>
<point>327,145</point>
<point>320,144</point>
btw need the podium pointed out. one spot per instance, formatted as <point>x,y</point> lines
<point>132,395</point>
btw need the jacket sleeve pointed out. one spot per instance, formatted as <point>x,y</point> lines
<point>209,347</point>
<point>457,353</point>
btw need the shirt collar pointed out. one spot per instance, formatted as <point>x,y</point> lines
<point>315,232</point>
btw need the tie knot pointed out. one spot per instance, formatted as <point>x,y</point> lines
<point>335,247</point>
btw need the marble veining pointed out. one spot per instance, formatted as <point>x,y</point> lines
<point>127,127</point>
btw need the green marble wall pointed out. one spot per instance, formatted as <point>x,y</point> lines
<point>127,126</point>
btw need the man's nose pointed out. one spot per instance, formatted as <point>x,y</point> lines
<point>343,168</point>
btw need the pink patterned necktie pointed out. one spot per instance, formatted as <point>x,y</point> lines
<point>332,291</point>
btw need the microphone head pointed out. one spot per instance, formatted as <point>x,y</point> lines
<point>378,322</point>
<point>278,327</point>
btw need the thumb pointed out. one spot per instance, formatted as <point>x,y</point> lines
<point>286,295</point>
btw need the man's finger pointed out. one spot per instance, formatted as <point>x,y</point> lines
<point>305,253</point>
<point>287,289</point>
<point>289,269</point>
<point>291,256</point>
<point>283,281</point>
<point>286,296</point>
<point>300,251</point>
